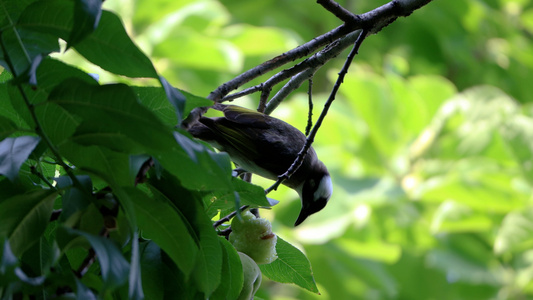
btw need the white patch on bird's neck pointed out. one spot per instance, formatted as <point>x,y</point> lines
<point>324,190</point>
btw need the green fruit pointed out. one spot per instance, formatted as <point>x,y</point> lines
<point>253,236</point>
<point>252,277</point>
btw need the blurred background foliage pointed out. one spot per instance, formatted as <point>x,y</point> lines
<point>429,143</point>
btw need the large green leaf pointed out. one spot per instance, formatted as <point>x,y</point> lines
<point>25,217</point>
<point>166,226</point>
<point>112,117</point>
<point>14,152</point>
<point>208,264</point>
<point>232,273</point>
<point>110,47</point>
<point>292,266</point>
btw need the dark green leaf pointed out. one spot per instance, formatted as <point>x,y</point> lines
<point>109,165</point>
<point>292,266</point>
<point>24,218</point>
<point>161,279</point>
<point>112,117</point>
<point>208,265</point>
<point>86,17</point>
<point>7,127</point>
<point>22,46</point>
<point>73,199</point>
<point>110,47</point>
<point>11,10</point>
<point>113,265</point>
<point>53,17</point>
<point>232,273</point>
<point>162,223</point>
<point>14,152</point>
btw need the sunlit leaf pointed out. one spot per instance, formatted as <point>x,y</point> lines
<point>110,47</point>
<point>292,266</point>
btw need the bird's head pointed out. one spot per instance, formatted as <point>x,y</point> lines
<point>314,193</point>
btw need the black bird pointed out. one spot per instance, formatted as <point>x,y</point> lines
<point>267,146</point>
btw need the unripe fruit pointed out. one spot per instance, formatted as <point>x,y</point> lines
<point>252,277</point>
<point>253,236</point>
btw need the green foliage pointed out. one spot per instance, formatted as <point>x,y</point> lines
<point>75,187</point>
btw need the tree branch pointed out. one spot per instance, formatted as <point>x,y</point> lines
<point>372,21</point>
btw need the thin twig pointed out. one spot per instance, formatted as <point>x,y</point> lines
<point>339,11</point>
<point>310,109</point>
<point>372,21</point>
<point>301,156</point>
<point>228,217</point>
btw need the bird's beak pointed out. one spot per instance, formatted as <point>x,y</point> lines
<point>301,217</point>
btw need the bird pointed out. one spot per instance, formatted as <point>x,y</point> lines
<point>267,146</point>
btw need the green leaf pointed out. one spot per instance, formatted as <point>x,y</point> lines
<point>113,265</point>
<point>73,199</point>
<point>110,47</point>
<point>249,194</point>
<point>109,165</point>
<point>292,266</point>
<point>86,17</point>
<point>175,97</point>
<point>161,279</point>
<point>11,11</point>
<point>54,17</point>
<point>155,99</point>
<point>14,152</point>
<point>23,46</point>
<point>207,270</point>
<point>25,217</point>
<point>197,167</point>
<point>7,127</point>
<point>112,117</point>
<point>166,226</point>
<point>232,273</point>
